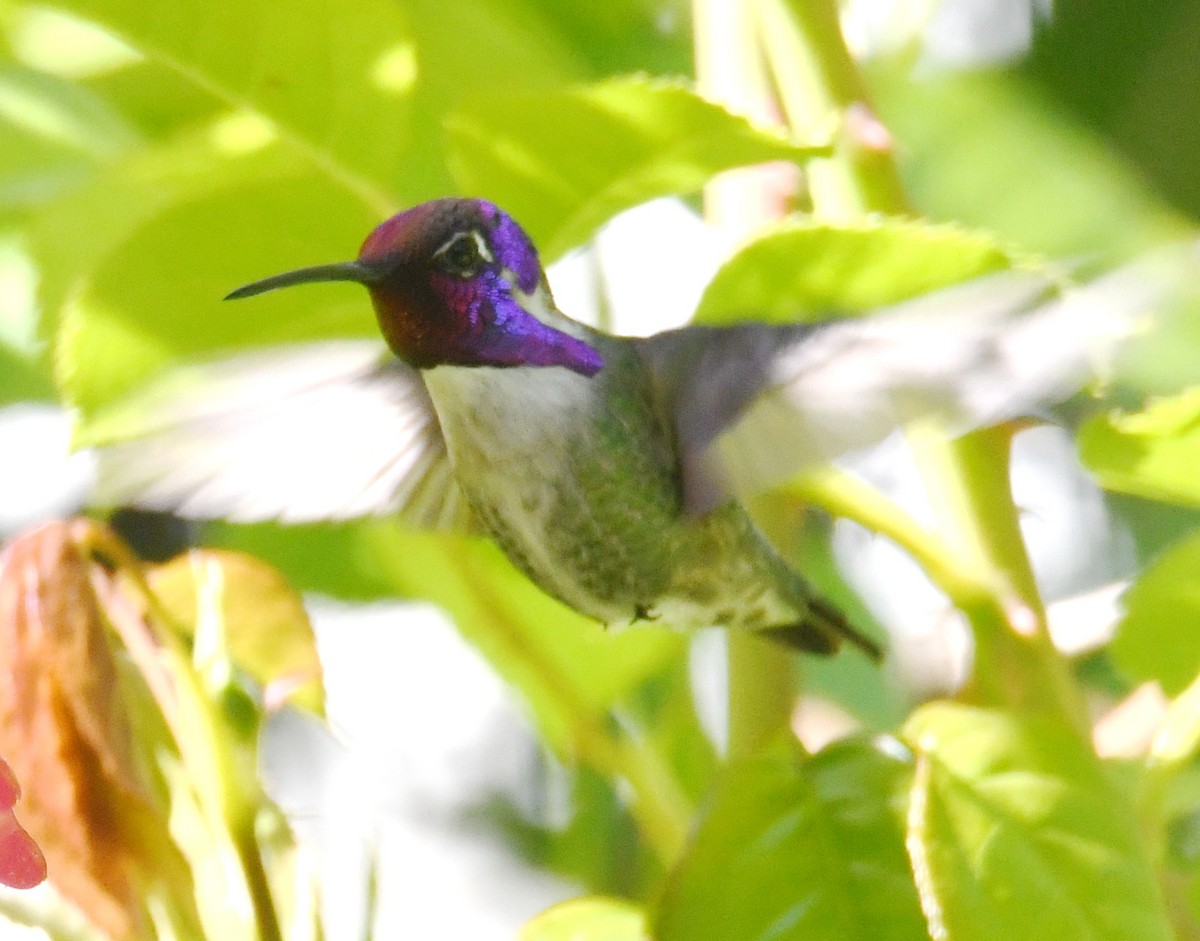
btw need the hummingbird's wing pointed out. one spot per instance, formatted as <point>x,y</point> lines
<point>754,403</point>
<point>318,431</point>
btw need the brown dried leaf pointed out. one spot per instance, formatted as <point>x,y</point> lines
<point>64,729</point>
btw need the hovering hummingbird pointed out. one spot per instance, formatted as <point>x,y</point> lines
<point>608,469</point>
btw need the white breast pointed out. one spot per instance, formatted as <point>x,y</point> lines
<point>508,414</point>
<point>513,439</point>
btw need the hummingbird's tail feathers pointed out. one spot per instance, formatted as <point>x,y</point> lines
<point>822,631</point>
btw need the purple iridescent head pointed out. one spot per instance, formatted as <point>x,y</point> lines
<point>451,281</point>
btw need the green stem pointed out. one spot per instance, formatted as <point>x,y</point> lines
<point>821,90</point>
<point>250,856</point>
<point>843,495</point>
<point>762,691</point>
<point>819,83</point>
<point>762,676</point>
<point>1015,661</point>
<point>662,809</point>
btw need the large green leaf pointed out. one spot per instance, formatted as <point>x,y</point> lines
<point>183,225</point>
<point>562,162</point>
<point>173,228</point>
<point>817,267</point>
<point>1153,453</point>
<point>793,847</point>
<point>620,36</point>
<point>1159,637</point>
<point>356,87</point>
<point>336,78</point>
<point>55,133</point>
<point>1016,833</point>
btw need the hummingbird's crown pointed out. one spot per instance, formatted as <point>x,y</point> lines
<point>461,237</point>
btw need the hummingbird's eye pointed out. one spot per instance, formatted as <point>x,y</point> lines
<point>464,255</point>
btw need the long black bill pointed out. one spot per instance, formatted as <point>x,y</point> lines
<point>342,271</point>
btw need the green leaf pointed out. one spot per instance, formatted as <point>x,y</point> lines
<point>331,95</point>
<point>563,162</point>
<point>1159,636</point>
<point>663,712</point>
<point>993,151</point>
<point>1016,833</point>
<point>818,267</point>
<point>54,133</point>
<point>267,631</point>
<point>360,103</point>
<point>621,36</point>
<point>794,847</point>
<point>587,919</point>
<point>22,379</point>
<point>159,100</point>
<point>24,374</point>
<point>1153,453</point>
<point>185,223</point>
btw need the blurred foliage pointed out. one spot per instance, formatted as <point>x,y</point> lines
<point>156,155</point>
<point>130,714</point>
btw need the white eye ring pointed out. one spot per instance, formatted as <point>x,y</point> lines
<point>464,254</point>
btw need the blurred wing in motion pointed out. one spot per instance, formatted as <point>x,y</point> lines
<point>330,430</point>
<point>755,404</point>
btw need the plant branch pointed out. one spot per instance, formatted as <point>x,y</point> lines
<point>968,479</point>
<point>761,676</point>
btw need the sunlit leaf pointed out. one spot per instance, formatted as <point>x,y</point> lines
<point>817,267</point>
<point>361,103</point>
<point>55,133</point>
<point>622,36</point>
<point>587,919</point>
<point>267,631</point>
<point>185,224</point>
<point>563,162</point>
<point>1153,453</point>
<point>1159,636</point>
<point>332,99</point>
<point>158,100</point>
<point>1016,832</point>
<point>795,848</point>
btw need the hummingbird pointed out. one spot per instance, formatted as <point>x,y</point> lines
<point>608,469</point>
